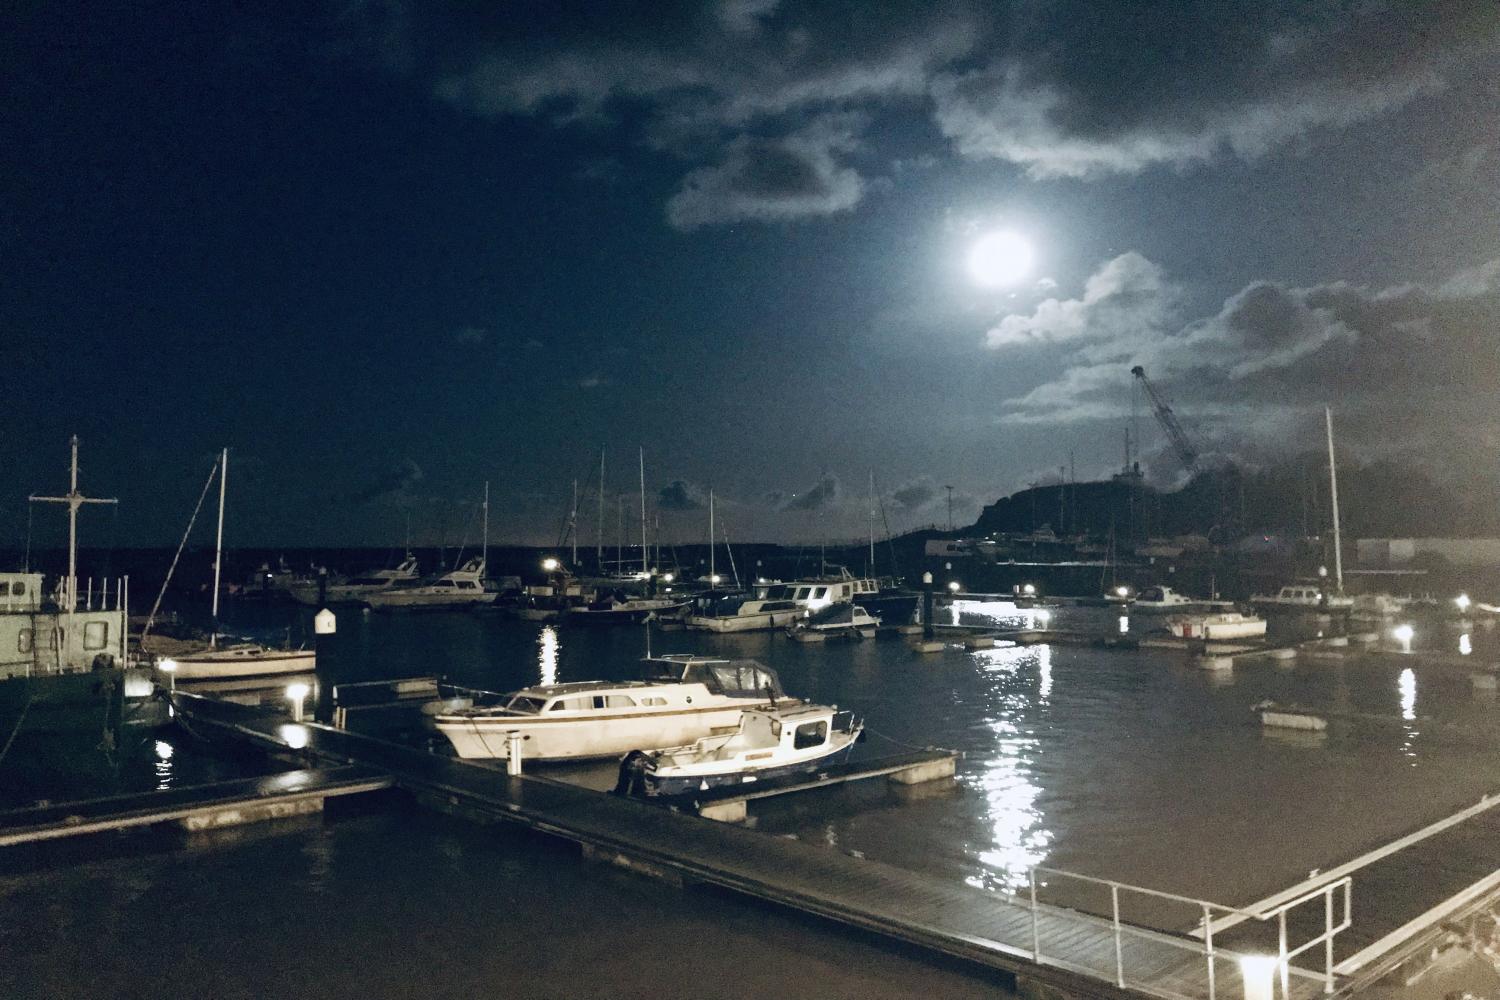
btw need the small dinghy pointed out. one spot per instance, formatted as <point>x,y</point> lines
<point>768,743</point>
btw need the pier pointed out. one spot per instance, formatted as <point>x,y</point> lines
<point>1042,946</point>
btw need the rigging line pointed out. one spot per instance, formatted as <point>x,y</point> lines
<point>17,730</point>
<point>30,511</point>
<point>168,579</point>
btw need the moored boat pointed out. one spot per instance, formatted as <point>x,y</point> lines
<point>1165,600</point>
<point>1302,596</point>
<point>242,659</point>
<point>740,613</point>
<point>460,588</point>
<point>353,591</point>
<point>1217,625</point>
<point>618,609</point>
<point>838,621</point>
<point>767,743</point>
<point>681,699</point>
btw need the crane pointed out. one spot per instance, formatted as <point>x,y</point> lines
<point>1168,421</point>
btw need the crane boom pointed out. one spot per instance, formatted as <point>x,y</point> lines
<point>1168,421</point>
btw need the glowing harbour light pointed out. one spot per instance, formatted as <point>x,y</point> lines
<point>1463,602</point>
<point>1122,591</point>
<point>1029,589</point>
<point>953,586</point>
<point>1465,645</point>
<point>297,695</point>
<point>1404,634</point>
<point>550,565</point>
<point>1408,688</point>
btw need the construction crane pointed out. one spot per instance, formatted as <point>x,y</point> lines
<point>1168,421</point>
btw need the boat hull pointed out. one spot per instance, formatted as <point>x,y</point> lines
<point>662,786</point>
<point>759,622</point>
<point>586,739</point>
<point>399,601</point>
<point>233,663</point>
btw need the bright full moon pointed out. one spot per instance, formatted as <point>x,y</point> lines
<point>1000,259</point>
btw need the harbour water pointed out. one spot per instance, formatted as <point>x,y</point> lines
<point>1134,766</point>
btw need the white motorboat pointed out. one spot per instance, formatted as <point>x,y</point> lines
<point>741,614</point>
<point>460,588</point>
<point>768,743</point>
<point>623,609</point>
<point>1306,596</point>
<point>1165,600</point>
<point>1217,625</point>
<point>838,621</point>
<point>354,591</point>
<point>247,659</point>
<point>682,699</point>
<point>882,598</point>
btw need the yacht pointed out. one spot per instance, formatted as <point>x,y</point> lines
<point>768,743</point>
<point>354,591</point>
<point>742,613</point>
<point>882,598</point>
<point>682,698</point>
<point>619,608</point>
<point>240,659</point>
<point>461,588</point>
<point>1217,625</point>
<point>1302,596</point>
<point>837,621</point>
<point>1165,600</point>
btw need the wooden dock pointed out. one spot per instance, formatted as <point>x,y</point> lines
<point>1042,946</point>
<point>197,807</point>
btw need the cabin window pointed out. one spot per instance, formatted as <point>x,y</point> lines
<point>810,734</point>
<point>620,701</point>
<point>801,594</point>
<point>845,590</point>
<point>95,635</point>
<point>24,639</point>
<point>18,589</point>
<point>819,593</point>
<point>467,585</point>
<point>571,704</point>
<point>653,700</point>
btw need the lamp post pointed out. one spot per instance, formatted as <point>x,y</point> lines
<point>927,606</point>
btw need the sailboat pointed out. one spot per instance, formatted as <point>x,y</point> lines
<point>240,659</point>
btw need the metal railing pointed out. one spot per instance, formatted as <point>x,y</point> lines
<point>1149,975</point>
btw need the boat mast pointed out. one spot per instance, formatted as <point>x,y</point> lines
<point>645,569</point>
<point>74,500</point>
<point>573,522</point>
<point>620,535</point>
<point>599,537</point>
<point>710,538</point>
<point>484,552</point>
<point>1333,489</point>
<point>872,523</point>
<point>219,543</point>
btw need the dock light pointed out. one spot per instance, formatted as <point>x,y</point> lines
<point>1258,972</point>
<point>550,565</point>
<point>1029,589</point>
<point>294,736</point>
<point>1122,591</point>
<point>1463,602</point>
<point>1404,634</point>
<point>297,695</point>
<point>1465,645</point>
<point>715,579</point>
<point>168,666</point>
<point>1043,617</point>
<point>953,586</point>
<point>667,578</point>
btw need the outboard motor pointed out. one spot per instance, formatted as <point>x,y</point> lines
<point>632,780</point>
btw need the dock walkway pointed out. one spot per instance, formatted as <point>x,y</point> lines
<point>195,807</point>
<point>1080,954</point>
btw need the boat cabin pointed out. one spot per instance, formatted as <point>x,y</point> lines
<point>38,636</point>
<point>741,678</point>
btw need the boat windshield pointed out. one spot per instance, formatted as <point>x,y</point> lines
<point>733,678</point>
<point>522,703</point>
<point>832,614</point>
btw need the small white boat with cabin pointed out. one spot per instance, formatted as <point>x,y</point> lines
<point>1302,596</point>
<point>618,609</point>
<point>741,614</point>
<point>460,588</point>
<point>768,743</point>
<point>1217,625</point>
<point>683,699</point>
<point>837,621</point>
<point>1165,600</point>
<point>354,591</point>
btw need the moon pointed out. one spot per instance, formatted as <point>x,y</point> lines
<point>999,259</point>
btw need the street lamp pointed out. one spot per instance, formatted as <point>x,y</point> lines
<point>550,565</point>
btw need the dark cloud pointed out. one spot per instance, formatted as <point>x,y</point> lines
<point>1409,369</point>
<point>917,493</point>
<point>682,495</point>
<point>1074,88</point>
<point>398,479</point>
<point>772,179</point>
<point>822,494</point>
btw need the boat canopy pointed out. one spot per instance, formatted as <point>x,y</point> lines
<point>731,678</point>
<point>834,614</point>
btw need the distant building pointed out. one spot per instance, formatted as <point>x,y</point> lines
<point>1397,552</point>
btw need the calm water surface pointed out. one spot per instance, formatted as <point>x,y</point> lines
<point>1126,765</point>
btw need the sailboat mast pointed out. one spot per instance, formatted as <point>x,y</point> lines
<point>599,536</point>
<point>710,537</point>
<point>644,567</point>
<point>219,538</point>
<point>872,523</point>
<point>573,522</point>
<point>620,534</point>
<point>1333,490</point>
<point>484,553</point>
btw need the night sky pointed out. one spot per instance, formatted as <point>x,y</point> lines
<point>385,253</point>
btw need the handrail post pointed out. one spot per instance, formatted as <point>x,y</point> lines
<point>1036,931</point>
<point>1114,899</point>
<point>1208,943</point>
<point>1328,939</point>
<point>1286,990</point>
